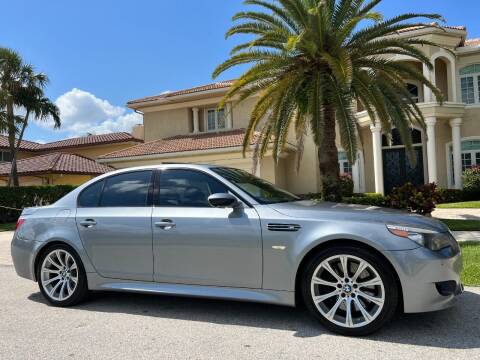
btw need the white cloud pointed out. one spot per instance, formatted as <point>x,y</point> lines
<point>82,112</point>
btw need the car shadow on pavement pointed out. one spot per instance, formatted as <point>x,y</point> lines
<point>455,328</point>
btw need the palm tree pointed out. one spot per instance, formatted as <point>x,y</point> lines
<point>311,61</point>
<point>21,89</point>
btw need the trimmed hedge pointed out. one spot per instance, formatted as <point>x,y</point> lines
<point>28,196</point>
<point>372,199</point>
<point>455,195</point>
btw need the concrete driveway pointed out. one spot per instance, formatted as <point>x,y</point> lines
<point>129,326</point>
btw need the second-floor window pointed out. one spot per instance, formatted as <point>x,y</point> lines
<point>5,156</point>
<point>215,119</point>
<point>470,84</point>
<point>413,90</point>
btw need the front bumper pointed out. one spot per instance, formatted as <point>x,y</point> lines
<point>429,281</point>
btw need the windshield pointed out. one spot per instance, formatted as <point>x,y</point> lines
<point>259,189</point>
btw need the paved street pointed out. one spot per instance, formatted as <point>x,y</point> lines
<point>125,326</point>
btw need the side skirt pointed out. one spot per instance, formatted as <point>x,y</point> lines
<point>286,298</point>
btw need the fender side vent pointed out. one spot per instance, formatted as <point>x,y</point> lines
<point>284,227</point>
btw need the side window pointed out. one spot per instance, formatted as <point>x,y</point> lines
<point>187,188</point>
<point>127,190</point>
<point>90,197</point>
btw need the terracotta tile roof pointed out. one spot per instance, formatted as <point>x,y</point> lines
<point>24,145</point>
<point>57,163</point>
<point>413,28</point>
<point>90,140</point>
<point>182,143</point>
<point>197,89</point>
<point>472,42</point>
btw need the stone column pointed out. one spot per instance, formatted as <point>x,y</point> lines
<point>196,127</point>
<point>430,75</point>
<point>456,125</point>
<point>229,115</point>
<point>377,157</point>
<point>431,149</point>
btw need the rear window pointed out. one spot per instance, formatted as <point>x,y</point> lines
<point>127,190</point>
<point>90,197</point>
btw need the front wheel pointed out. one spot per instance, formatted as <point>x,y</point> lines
<point>350,290</point>
<point>61,276</point>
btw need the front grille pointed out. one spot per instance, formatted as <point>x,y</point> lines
<point>284,227</point>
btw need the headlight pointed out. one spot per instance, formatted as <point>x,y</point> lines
<point>432,240</point>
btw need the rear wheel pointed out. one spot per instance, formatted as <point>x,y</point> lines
<point>61,276</point>
<point>350,290</point>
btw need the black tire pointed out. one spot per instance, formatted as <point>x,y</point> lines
<point>391,291</point>
<point>80,291</point>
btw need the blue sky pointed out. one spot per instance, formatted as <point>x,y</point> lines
<point>99,54</point>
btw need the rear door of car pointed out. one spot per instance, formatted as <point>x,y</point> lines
<point>114,221</point>
<point>196,244</point>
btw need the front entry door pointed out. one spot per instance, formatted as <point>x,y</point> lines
<point>196,244</point>
<point>398,169</point>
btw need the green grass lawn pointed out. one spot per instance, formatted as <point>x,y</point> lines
<point>471,263</point>
<point>462,225</point>
<point>461,205</point>
<point>7,227</point>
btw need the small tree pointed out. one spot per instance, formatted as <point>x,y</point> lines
<point>21,90</point>
<point>311,60</point>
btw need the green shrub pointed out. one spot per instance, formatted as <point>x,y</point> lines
<point>28,196</point>
<point>421,200</point>
<point>471,183</point>
<point>346,185</point>
<point>450,195</point>
<point>371,199</point>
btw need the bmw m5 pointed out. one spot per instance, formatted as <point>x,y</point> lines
<point>218,232</point>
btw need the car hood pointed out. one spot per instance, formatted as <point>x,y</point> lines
<point>337,212</point>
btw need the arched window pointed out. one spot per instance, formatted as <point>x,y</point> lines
<point>470,156</point>
<point>470,84</point>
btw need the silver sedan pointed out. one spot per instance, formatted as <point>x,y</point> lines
<point>211,231</point>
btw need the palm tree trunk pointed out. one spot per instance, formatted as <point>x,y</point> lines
<point>328,160</point>
<point>14,169</point>
<point>13,179</point>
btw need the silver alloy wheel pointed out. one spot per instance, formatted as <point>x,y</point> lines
<point>347,291</point>
<point>59,275</point>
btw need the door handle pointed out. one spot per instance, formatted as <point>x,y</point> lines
<point>88,223</point>
<point>165,224</point>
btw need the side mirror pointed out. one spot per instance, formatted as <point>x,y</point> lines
<point>223,201</point>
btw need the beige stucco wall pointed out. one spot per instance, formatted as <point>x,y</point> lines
<point>162,124</point>
<point>241,113</point>
<point>306,180</point>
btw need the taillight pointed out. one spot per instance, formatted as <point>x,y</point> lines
<point>19,223</point>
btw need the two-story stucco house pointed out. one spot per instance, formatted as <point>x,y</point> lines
<point>185,126</point>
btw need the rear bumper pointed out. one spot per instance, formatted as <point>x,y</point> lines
<point>23,256</point>
<point>429,282</point>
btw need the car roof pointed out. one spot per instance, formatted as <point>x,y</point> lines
<point>165,166</point>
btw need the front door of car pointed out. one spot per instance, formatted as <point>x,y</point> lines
<point>114,221</point>
<point>194,243</point>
